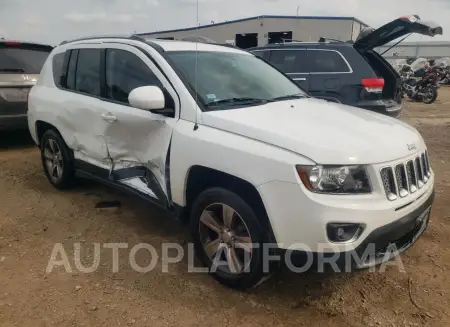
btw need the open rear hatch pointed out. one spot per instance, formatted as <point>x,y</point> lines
<point>371,38</point>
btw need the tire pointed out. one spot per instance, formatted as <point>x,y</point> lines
<point>215,199</point>
<point>63,177</point>
<point>432,98</point>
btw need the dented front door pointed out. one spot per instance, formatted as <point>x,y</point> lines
<point>137,144</point>
<point>137,141</point>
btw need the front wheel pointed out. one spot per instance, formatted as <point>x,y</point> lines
<point>430,94</point>
<point>228,239</point>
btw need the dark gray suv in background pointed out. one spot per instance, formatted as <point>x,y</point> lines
<point>20,65</point>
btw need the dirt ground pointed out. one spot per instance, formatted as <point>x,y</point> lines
<point>34,216</point>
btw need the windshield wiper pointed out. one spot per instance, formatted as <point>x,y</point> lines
<point>12,70</point>
<point>288,97</point>
<point>235,101</point>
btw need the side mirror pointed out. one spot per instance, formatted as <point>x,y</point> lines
<point>147,98</point>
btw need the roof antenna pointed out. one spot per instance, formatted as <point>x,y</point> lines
<point>196,74</point>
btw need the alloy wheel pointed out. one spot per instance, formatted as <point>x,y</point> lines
<point>225,238</point>
<point>53,160</point>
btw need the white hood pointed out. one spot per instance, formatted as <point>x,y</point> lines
<point>327,133</point>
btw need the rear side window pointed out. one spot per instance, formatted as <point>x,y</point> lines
<point>87,78</point>
<point>290,61</point>
<point>125,72</point>
<point>71,70</point>
<point>57,67</point>
<point>22,60</point>
<point>322,61</point>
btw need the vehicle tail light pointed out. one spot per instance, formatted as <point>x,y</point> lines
<point>12,43</point>
<point>373,85</point>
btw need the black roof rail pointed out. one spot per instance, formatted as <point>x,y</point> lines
<point>135,37</point>
<point>290,40</point>
<point>325,39</point>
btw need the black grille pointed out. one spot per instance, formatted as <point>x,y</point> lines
<point>405,178</point>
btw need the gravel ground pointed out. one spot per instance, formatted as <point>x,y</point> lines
<point>34,217</point>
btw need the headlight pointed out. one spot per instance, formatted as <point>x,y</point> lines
<point>335,179</point>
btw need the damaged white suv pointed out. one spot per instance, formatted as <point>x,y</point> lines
<point>218,136</point>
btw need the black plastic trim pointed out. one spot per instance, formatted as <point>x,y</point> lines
<point>90,171</point>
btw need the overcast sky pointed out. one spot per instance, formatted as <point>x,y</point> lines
<point>52,21</point>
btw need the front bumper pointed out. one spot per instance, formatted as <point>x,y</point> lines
<point>299,218</point>
<point>381,245</point>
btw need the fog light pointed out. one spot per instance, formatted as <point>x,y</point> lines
<point>343,232</point>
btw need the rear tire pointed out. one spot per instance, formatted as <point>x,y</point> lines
<point>225,240</point>
<point>57,160</point>
<point>432,95</point>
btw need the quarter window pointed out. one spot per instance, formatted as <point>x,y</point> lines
<point>57,66</point>
<point>327,62</point>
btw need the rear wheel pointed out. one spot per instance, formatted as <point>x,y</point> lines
<point>228,239</point>
<point>57,160</point>
<point>430,94</point>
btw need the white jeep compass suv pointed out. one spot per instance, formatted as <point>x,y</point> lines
<point>263,172</point>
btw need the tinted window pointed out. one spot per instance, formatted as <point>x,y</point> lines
<point>22,60</point>
<point>71,70</point>
<point>87,78</point>
<point>290,61</point>
<point>327,62</point>
<point>261,54</point>
<point>58,61</point>
<point>125,72</point>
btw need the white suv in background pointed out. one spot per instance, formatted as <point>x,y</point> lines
<point>218,136</point>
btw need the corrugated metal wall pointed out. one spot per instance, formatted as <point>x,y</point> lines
<point>303,29</point>
<point>419,49</point>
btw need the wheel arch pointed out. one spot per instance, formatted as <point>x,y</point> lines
<point>201,178</point>
<point>42,127</point>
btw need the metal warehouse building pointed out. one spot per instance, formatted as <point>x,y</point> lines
<point>431,49</point>
<point>261,30</point>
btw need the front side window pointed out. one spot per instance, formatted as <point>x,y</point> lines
<point>125,72</point>
<point>225,79</point>
<point>262,54</point>
<point>327,62</point>
<point>87,79</point>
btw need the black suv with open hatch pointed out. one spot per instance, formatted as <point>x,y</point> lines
<point>351,73</point>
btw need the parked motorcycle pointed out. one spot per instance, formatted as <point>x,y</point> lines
<point>422,89</point>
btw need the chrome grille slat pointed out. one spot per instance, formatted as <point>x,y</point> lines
<point>427,162</point>
<point>412,178</point>
<point>405,178</point>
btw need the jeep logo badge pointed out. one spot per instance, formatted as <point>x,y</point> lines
<point>411,147</point>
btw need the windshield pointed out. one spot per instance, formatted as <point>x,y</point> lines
<point>228,79</point>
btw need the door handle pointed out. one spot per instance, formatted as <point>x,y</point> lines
<point>300,79</point>
<point>109,117</point>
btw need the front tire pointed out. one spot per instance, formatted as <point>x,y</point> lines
<point>57,160</point>
<point>228,239</point>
